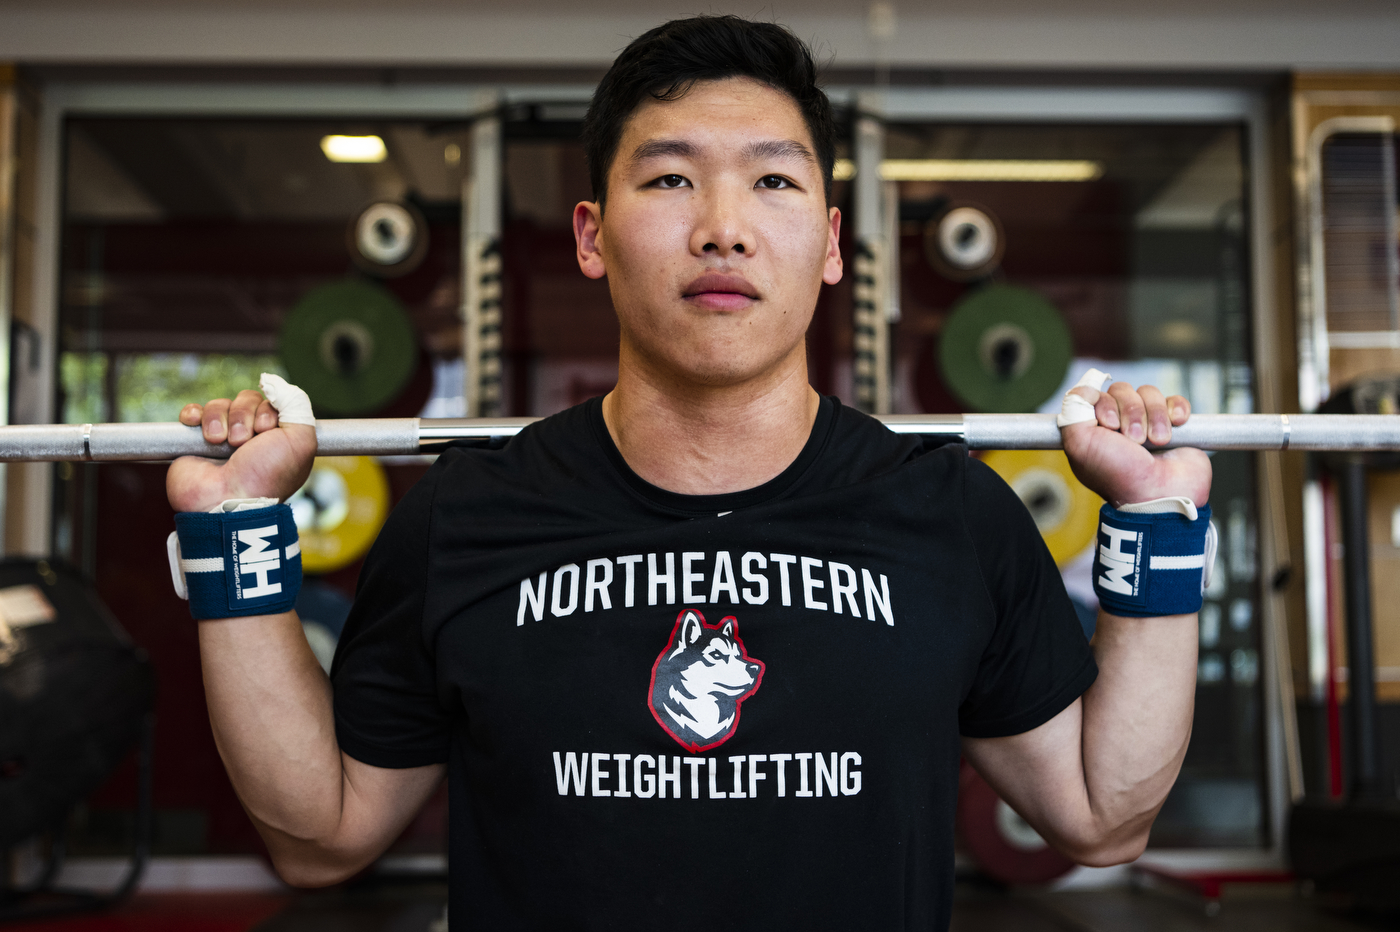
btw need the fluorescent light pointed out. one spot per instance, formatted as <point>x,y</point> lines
<point>354,148</point>
<point>978,170</point>
<point>989,170</point>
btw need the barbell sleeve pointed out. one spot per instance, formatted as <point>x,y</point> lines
<point>102,443</point>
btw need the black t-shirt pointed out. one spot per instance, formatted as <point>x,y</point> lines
<point>739,711</point>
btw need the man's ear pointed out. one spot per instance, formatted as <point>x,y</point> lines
<point>833,269</point>
<point>588,230</point>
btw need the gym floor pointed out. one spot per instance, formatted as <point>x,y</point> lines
<point>418,907</point>
<point>1255,910</point>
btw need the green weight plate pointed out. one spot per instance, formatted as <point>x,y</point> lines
<point>350,345</point>
<point>1004,349</point>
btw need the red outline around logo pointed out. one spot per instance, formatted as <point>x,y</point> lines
<point>738,701</point>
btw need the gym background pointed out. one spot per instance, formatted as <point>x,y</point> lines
<point>374,200</point>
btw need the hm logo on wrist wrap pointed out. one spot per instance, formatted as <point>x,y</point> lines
<point>241,562</point>
<point>254,556</point>
<point>1120,559</point>
<point>1152,564</point>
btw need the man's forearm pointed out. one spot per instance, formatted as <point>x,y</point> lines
<point>1137,720</point>
<point>323,814</point>
<point>1093,777</point>
<point>270,708</point>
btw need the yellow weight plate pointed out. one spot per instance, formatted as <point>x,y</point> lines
<point>1064,510</point>
<point>339,511</point>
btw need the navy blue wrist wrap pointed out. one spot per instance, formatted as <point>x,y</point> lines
<point>240,562</point>
<point>1150,564</point>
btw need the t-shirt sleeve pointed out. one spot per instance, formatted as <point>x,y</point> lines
<point>387,709</point>
<point>1037,661</point>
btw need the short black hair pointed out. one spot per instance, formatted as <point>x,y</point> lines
<point>667,61</point>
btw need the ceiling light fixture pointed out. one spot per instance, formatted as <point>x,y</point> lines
<point>354,148</point>
<point>978,170</point>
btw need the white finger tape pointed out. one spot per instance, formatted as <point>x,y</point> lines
<point>293,405</point>
<point>1075,409</point>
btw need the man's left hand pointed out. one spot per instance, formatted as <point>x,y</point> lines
<point>1092,779</point>
<point>1113,457</point>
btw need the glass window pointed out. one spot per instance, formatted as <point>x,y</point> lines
<point>197,254</point>
<point>203,236</point>
<point>1121,247</point>
<point>560,334</point>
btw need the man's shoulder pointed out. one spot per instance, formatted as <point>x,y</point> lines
<point>560,449</point>
<point>861,447</point>
<point>567,432</point>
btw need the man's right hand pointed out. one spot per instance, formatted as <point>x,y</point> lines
<point>269,461</point>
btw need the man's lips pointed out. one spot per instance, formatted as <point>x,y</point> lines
<point>720,284</point>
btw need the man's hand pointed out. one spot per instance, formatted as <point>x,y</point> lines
<point>1112,458</point>
<point>323,814</point>
<point>269,461</point>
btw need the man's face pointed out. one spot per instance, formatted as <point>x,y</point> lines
<point>716,237</point>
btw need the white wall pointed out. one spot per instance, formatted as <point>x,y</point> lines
<point>1131,34</point>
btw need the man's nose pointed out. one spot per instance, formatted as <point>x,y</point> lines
<point>723,228</point>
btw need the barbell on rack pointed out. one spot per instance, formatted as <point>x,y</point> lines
<point>410,435</point>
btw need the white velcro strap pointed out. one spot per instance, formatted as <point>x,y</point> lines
<point>1195,562</point>
<point>241,504</point>
<point>1187,508</point>
<point>1158,506</point>
<point>1074,409</point>
<point>203,565</point>
<point>1212,545</point>
<point>180,566</point>
<point>177,575</point>
<point>293,405</point>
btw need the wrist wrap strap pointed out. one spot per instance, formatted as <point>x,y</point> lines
<point>240,562</point>
<point>1152,564</point>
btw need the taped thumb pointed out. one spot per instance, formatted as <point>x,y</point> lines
<point>293,405</point>
<point>1075,409</point>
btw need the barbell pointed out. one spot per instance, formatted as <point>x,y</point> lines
<point>101,443</point>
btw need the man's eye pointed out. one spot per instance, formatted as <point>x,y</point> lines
<point>774,182</point>
<point>671,181</point>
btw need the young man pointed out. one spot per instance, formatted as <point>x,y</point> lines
<point>705,652</point>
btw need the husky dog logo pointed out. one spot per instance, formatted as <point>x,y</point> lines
<point>699,681</point>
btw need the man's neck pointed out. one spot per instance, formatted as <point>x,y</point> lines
<point>706,440</point>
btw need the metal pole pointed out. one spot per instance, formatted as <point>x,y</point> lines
<point>9,121</point>
<point>409,435</point>
<point>871,334</point>
<point>481,271</point>
<point>1361,683</point>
